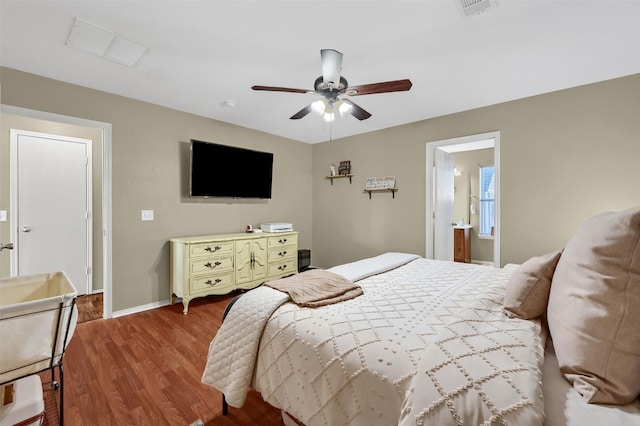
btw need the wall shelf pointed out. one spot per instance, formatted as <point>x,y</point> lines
<point>331,178</point>
<point>392,190</point>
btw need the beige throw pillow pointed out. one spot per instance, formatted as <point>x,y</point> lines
<point>527,292</point>
<point>594,308</point>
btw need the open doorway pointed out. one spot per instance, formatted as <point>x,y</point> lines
<point>439,227</point>
<point>102,231</point>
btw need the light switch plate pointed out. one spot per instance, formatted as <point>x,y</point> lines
<point>146,215</point>
<point>3,215</point>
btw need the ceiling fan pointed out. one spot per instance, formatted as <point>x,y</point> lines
<point>331,84</point>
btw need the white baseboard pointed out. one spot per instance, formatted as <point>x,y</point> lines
<point>141,308</point>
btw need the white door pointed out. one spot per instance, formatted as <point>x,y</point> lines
<point>51,198</point>
<point>444,205</point>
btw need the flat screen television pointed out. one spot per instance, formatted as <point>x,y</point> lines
<point>226,171</point>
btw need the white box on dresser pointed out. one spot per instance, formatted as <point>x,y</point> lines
<point>218,264</point>
<point>276,227</point>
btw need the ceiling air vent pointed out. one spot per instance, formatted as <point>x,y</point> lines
<point>474,7</point>
<point>95,40</point>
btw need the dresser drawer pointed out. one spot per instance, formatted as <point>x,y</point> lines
<point>218,264</point>
<point>221,282</point>
<point>282,240</point>
<point>207,249</point>
<point>280,269</point>
<point>284,252</point>
<point>211,264</point>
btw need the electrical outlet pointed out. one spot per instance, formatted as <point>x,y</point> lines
<point>3,215</point>
<point>146,215</point>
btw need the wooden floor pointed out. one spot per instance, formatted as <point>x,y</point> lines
<point>145,369</point>
<point>89,307</point>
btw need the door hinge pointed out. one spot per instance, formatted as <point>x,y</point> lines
<point>88,270</point>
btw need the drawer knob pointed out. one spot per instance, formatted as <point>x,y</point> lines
<point>282,253</point>
<point>282,240</point>
<point>212,265</point>
<point>282,267</point>
<point>212,283</point>
<point>209,249</point>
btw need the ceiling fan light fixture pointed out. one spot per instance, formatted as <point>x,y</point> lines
<point>329,115</point>
<point>344,108</point>
<point>330,92</point>
<point>318,107</point>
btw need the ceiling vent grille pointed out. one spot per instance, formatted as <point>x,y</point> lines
<point>95,40</point>
<point>474,7</point>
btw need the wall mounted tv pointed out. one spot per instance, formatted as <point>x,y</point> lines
<point>225,171</point>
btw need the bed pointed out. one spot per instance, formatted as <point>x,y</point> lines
<point>428,342</point>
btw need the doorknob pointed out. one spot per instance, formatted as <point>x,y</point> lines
<point>8,246</point>
<point>26,229</point>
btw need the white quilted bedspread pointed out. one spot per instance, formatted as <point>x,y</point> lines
<point>480,369</point>
<point>233,350</point>
<point>357,361</point>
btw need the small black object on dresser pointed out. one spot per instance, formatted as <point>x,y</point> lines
<point>304,260</point>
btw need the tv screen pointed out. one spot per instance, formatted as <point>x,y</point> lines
<point>226,171</point>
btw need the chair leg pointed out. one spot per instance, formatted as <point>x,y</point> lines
<point>61,371</point>
<point>225,406</point>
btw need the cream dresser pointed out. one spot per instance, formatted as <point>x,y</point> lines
<point>218,264</point>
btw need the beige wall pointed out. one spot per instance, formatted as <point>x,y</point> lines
<point>10,121</point>
<point>150,167</point>
<point>347,225</point>
<point>468,183</point>
<point>564,156</point>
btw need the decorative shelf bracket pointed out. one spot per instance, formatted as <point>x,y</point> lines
<point>393,191</point>
<point>331,178</point>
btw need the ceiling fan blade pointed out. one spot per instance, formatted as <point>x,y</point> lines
<point>384,87</point>
<point>280,89</point>
<point>302,113</point>
<point>356,110</point>
<point>331,66</point>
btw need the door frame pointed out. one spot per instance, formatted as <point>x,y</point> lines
<point>430,190</point>
<point>106,129</point>
<point>13,171</point>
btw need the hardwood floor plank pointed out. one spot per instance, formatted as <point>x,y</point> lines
<point>145,369</point>
<point>148,404</point>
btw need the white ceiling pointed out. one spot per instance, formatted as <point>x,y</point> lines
<point>204,53</point>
